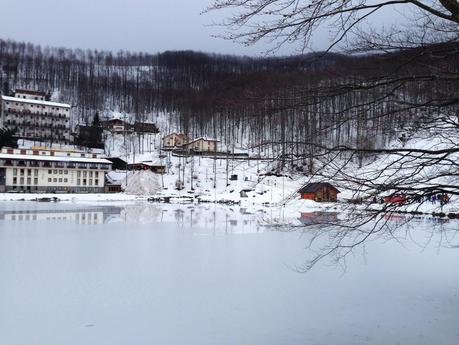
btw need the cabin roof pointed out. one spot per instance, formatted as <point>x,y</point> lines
<point>314,187</point>
<point>204,139</point>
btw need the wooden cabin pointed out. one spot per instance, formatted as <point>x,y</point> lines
<point>320,192</point>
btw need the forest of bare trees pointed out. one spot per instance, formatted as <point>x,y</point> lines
<point>245,101</point>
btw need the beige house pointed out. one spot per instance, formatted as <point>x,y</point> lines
<point>175,140</point>
<point>35,170</point>
<point>30,116</point>
<point>202,145</point>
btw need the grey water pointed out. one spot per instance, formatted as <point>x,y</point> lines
<point>184,274</point>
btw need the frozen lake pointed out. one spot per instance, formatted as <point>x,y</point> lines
<point>178,274</point>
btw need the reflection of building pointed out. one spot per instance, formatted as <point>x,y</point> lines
<point>30,116</point>
<point>90,216</point>
<point>319,192</point>
<point>315,218</point>
<point>38,170</point>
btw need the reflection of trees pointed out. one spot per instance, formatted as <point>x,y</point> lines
<point>334,238</point>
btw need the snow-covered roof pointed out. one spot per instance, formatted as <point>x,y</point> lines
<point>35,101</point>
<point>203,138</point>
<point>54,158</point>
<point>154,163</point>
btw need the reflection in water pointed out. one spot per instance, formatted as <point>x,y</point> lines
<point>136,282</point>
<point>202,218</point>
<point>88,216</point>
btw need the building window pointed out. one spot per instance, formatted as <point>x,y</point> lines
<point>60,179</point>
<point>35,180</point>
<point>84,174</point>
<point>78,173</point>
<point>29,172</point>
<point>84,182</point>
<point>66,180</point>
<point>15,172</point>
<point>54,179</point>
<point>90,182</point>
<point>15,180</point>
<point>21,181</point>
<point>78,182</point>
<point>96,182</point>
<point>50,171</point>
<point>49,179</point>
<point>55,172</point>
<point>60,172</point>
<point>35,172</point>
<point>22,172</point>
<point>96,174</point>
<point>90,174</point>
<point>66,172</point>
<point>29,180</point>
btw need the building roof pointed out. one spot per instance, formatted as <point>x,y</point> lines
<point>313,187</point>
<point>149,163</point>
<point>34,101</point>
<point>30,92</point>
<point>202,138</point>
<point>54,158</point>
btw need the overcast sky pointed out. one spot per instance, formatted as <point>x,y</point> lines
<point>135,25</point>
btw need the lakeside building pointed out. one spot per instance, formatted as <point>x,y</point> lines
<point>319,192</point>
<point>51,171</point>
<point>30,116</point>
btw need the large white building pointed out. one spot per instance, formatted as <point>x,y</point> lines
<point>39,170</point>
<point>30,116</point>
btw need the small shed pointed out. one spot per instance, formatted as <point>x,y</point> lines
<point>243,192</point>
<point>321,191</point>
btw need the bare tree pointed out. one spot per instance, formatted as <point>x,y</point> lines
<point>407,88</point>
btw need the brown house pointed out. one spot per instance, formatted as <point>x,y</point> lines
<point>319,192</point>
<point>157,168</point>
<point>175,140</point>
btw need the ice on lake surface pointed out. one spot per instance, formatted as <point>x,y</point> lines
<point>184,274</point>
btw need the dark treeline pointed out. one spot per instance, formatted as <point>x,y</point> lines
<point>333,98</point>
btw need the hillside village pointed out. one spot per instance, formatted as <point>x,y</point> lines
<point>113,155</point>
<point>117,156</point>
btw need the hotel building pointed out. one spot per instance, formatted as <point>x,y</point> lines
<point>51,171</point>
<point>30,116</point>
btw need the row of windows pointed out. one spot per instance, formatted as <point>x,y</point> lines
<point>22,172</point>
<point>22,179</point>
<point>88,173</point>
<point>55,179</point>
<point>85,182</point>
<point>60,172</point>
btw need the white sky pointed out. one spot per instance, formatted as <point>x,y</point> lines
<point>135,25</point>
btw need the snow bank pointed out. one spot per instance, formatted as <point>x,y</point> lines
<point>142,183</point>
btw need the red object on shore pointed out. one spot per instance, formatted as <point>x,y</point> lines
<point>396,198</point>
